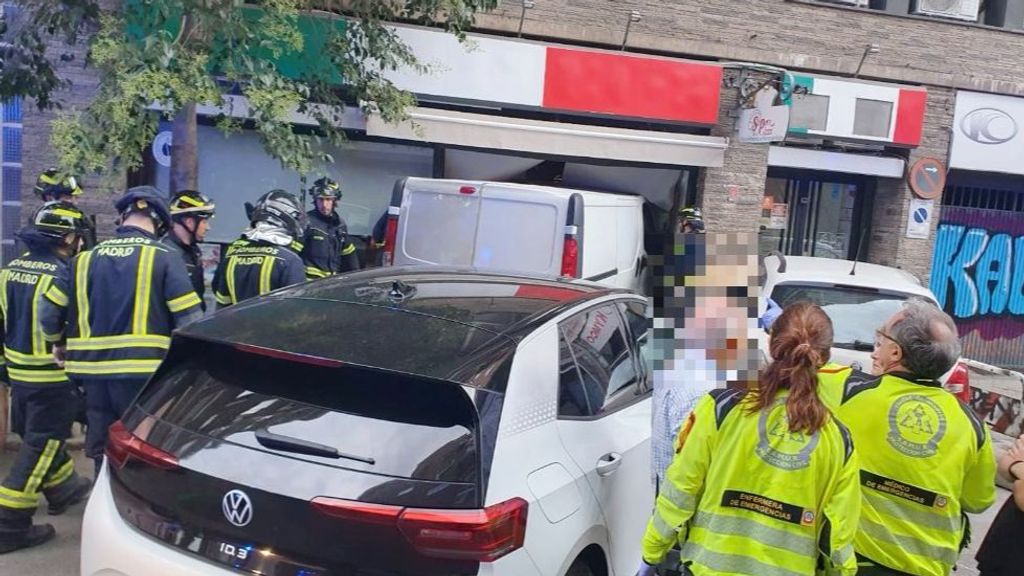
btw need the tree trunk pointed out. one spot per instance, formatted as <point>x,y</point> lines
<point>185,151</point>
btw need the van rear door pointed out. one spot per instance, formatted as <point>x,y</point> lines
<point>521,229</point>
<point>438,223</point>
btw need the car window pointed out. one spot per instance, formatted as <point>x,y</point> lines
<point>639,330</point>
<point>855,312</point>
<point>597,369</point>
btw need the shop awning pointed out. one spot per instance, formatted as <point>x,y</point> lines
<point>554,138</point>
<point>810,159</point>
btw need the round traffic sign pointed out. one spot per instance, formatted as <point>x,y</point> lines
<point>927,178</point>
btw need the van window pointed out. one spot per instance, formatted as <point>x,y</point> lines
<point>518,235</point>
<point>596,368</point>
<point>439,228</point>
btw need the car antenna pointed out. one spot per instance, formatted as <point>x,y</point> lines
<point>856,257</point>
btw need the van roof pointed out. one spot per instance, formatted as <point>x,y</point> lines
<point>590,197</point>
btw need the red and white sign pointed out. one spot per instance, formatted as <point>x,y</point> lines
<point>528,74</point>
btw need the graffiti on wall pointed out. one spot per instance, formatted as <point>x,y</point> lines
<point>977,276</point>
<point>1002,413</point>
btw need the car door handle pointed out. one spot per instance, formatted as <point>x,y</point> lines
<point>608,464</point>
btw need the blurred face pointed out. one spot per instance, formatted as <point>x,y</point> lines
<point>325,206</point>
<point>719,321</point>
<point>887,355</point>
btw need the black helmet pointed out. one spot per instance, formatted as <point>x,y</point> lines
<point>51,184</point>
<point>192,203</point>
<point>58,218</point>
<point>325,188</point>
<point>280,208</point>
<point>146,200</point>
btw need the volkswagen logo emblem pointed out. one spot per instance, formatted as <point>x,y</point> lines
<point>237,508</point>
<point>988,126</point>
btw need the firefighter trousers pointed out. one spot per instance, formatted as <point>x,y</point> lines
<point>42,464</point>
<point>105,402</point>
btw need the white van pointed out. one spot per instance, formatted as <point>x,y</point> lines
<point>535,230</point>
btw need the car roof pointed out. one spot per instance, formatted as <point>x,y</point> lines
<point>428,321</point>
<point>809,269</point>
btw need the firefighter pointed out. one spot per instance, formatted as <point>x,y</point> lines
<point>40,389</point>
<point>266,257</point>
<point>121,302</point>
<point>191,212</point>
<point>926,458</point>
<point>691,221</point>
<point>327,247</point>
<point>51,186</point>
<point>764,480</point>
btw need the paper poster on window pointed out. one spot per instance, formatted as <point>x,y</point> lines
<point>919,218</point>
<point>779,218</point>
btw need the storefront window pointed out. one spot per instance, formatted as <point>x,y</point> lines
<point>812,214</point>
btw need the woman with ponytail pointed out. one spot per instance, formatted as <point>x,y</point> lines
<point>764,480</point>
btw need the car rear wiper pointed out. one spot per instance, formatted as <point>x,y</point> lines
<point>273,441</point>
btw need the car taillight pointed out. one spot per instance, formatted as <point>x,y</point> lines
<point>390,237</point>
<point>959,382</point>
<point>477,535</point>
<point>122,445</point>
<point>570,256</point>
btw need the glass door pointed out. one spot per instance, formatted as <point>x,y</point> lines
<point>821,214</point>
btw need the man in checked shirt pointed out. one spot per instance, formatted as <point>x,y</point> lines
<point>705,317</point>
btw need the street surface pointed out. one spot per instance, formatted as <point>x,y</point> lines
<point>60,557</point>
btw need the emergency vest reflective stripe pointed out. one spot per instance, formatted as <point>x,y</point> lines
<point>28,350</point>
<point>745,495</point>
<point>248,269</point>
<point>925,459</point>
<point>126,297</point>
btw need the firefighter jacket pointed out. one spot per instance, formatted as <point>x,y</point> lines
<point>327,247</point>
<point>925,459</point>
<point>27,349</point>
<point>249,268</point>
<point>122,300</point>
<point>745,495</point>
<point>192,256</point>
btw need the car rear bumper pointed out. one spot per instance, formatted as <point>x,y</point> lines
<point>110,547</point>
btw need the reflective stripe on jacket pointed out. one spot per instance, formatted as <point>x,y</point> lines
<point>123,298</point>
<point>925,460</point>
<point>327,248</point>
<point>250,268</point>
<point>28,350</point>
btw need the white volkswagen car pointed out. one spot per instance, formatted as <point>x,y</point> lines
<point>391,422</point>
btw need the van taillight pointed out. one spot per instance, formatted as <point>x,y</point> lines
<point>477,535</point>
<point>570,257</point>
<point>959,382</point>
<point>122,446</point>
<point>390,237</point>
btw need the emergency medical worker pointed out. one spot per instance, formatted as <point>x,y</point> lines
<point>50,186</point>
<point>41,392</point>
<point>765,479</point>
<point>121,302</point>
<point>327,248</point>
<point>191,212</point>
<point>925,458</point>
<point>266,257</point>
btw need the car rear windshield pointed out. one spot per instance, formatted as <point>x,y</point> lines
<point>378,422</point>
<point>855,312</point>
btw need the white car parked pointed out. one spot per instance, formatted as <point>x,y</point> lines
<point>396,421</point>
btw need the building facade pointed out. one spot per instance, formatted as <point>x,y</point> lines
<point>645,97</point>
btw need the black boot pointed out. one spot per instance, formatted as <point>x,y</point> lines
<point>36,535</point>
<point>78,490</point>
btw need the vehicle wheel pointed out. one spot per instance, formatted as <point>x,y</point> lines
<point>579,568</point>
